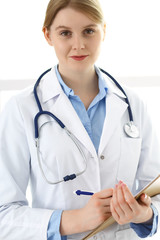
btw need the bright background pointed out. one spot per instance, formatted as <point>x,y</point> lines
<point>131,47</point>
<point>131,50</point>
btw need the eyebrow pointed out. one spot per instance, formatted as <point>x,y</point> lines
<point>65,27</point>
<point>61,26</point>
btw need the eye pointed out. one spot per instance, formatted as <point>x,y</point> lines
<point>89,31</point>
<point>65,33</point>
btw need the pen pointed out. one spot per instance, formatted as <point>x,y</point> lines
<point>79,192</point>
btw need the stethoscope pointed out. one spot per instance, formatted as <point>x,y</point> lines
<point>130,129</point>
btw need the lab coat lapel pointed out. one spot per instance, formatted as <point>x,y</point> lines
<point>58,103</point>
<point>64,110</point>
<point>115,108</point>
<point>55,101</point>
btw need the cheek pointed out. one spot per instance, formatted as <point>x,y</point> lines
<point>61,49</point>
<point>96,45</point>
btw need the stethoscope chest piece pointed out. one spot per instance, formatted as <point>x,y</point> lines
<point>131,130</point>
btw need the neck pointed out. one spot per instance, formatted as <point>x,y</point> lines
<point>84,84</point>
<point>81,82</point>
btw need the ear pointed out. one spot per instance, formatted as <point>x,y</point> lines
<point>104,31</point>
<point>47,36</point>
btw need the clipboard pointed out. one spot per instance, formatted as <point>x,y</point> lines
<point>152,189</point>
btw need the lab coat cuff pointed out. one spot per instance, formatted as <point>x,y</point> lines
<point>53,232</point>
<point>146,230</point>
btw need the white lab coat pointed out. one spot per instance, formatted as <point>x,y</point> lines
<point>135,161</point>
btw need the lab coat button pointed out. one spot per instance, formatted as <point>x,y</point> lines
<point>102,157</point>
<point>94,237</point>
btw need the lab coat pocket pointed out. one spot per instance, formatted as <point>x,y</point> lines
<point>129,159</point>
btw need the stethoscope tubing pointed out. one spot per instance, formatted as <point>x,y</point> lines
<point>129,128</point>
<point>35,89</point>
<point>41,112</point>
<point>126,99</point>
<point>45,113</point>
<point>67,177</point>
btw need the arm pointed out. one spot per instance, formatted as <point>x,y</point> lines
<point>92,215</point>
<point>53,227</point>
<point>17,219</point>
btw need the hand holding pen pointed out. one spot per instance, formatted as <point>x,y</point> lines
<point>97,209</point>
<point>95,212</point>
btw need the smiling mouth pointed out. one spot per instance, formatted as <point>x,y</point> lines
<point>79,58</point>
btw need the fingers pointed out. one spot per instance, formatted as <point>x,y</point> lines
<point>120,208</point>
<point>130,200</point>
<point>115,207</point>
<point>122,199</point>
<point>102,203</point>
<point>145,199</point>
<point>105,202</point>
<point>101,200</point>
<point>106,193</point>
<point>125,208</point>
<point>123,205</point>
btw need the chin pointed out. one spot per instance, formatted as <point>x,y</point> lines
<point>80,66</point>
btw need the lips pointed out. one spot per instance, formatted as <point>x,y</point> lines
<point>79,58</point>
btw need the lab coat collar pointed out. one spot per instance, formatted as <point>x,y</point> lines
<point>63,109</point>
<point>52,88</point>
<point>112,88</point>
<point>69,92</point>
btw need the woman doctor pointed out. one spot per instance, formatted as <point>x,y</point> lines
<point>94,110</point>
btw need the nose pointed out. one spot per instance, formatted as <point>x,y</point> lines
<point>78,43</point>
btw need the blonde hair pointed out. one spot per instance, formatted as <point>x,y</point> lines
<point>91,8</point>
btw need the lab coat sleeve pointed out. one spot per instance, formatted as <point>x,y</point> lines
<point>146,230</point>
<point>53,227</point>
<point>17,220</point>
<point>149,163</point>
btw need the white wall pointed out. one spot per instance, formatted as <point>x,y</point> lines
<point>131,47</point>
<point>132,43</point>
<point>131,50</point>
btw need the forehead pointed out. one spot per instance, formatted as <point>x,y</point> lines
<point>71,18</point>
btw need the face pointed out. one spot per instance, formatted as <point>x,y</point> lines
<point>76,40</point>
